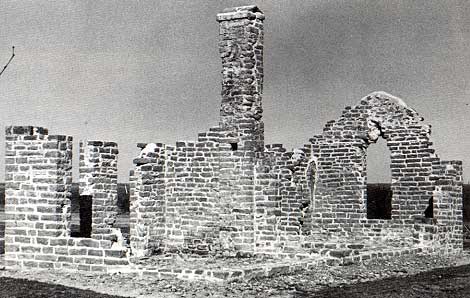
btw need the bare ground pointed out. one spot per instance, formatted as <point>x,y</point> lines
<point>439,283</point>
<point>410,276</point>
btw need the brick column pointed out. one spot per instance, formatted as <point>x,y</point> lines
<point>241,134</point>
<point>98,179</point>
<point>448,205</point>
<point>147,201</point>
<point>241,50</point>
<point>37,193</point>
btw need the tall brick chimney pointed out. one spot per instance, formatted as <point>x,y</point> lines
<point>241,50</point>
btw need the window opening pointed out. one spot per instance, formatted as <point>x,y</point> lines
<point>123,219</point>
<point>81,213</point>
<point>379,192</point>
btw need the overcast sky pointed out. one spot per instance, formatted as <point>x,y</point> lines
<point>149,71</point>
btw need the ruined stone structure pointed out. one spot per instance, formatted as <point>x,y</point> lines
<point>229,194</point>
<point>37,202</point>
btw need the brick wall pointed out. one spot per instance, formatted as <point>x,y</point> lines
<point>447,200</point>
<point>416,171</point>
<point>207,186</point>
<point>37,206</point>
<point>253,198</point>
<point>227,193</point>
<point>98,179</point>
<point>147,201</point>
<point>241,49</point>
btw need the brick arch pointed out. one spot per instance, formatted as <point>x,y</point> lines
<point>408,141</point>
<point>341,159</point>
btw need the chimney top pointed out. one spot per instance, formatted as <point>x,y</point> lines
<point>240,12</point>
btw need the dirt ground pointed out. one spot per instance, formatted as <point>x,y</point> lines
<point>23,288</point>
<point>439,283</point>
<point>410,276</point>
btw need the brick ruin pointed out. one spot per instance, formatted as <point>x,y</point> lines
<point>230,194</point>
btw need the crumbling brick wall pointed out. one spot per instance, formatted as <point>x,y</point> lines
<point>98,179</point>
<point>340,152</point>
<point>447,201</point>
<point>227,193</point>
<point>208,185</point>
<point>174,198</point>
<point>147,200</point>
<point>250,198</point>
<point>37,206</point>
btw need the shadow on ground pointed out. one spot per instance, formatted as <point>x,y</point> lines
<point>23,288</point>
<point>439,283</point>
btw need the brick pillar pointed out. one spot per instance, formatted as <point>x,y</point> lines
<point>38,180</point>
<point>241,50</point>
<point>241,138</point>
<point>147,201</point>
<point>448,206</point>
<point>98,179</point>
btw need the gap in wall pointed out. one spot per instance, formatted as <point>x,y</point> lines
<point>379,193</point>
